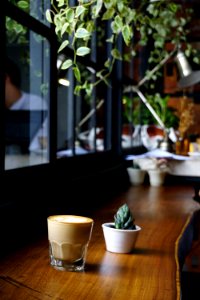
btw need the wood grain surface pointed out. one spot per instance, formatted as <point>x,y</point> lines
<point>151,272</point>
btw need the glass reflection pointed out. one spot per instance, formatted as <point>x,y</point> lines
<point>26,100</point>
<point>36,8</point>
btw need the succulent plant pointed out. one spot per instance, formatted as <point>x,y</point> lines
<point>123,219</point>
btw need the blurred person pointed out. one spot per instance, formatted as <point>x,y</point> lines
<point>16,99</point>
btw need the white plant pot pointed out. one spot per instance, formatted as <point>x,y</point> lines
<point>119,240</point>
<point>136,176</point>
<point>156,177</point>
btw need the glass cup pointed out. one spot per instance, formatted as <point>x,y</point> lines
<point>69,237</point>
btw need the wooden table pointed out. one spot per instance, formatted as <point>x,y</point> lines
<point>151,272</point>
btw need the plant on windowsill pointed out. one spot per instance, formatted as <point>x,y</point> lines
<point>136,113</point>
<point>147,22</point>
<point>121,235</point>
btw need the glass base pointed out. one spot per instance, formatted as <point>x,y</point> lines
<point>77,266</point>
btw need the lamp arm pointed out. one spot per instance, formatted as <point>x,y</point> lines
<point>143,80</point>
<point>150,108</point>
<point>91,112</point>
<point>157,67</point>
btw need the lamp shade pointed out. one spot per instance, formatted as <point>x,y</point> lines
<point>187,76</point>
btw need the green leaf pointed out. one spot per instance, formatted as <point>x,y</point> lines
<point>117,24</point>
<point>48,16</point>
<point>126,33</point>
<point>67,64</point>
<point>90,26</point>
<point>111,39</point>
<point>70,15</point>
<point>18,28</point>
<point>82,33</point>
<point>196,60</point>
<point>82,51</point>
<point>77,73</point>
<point>116,54</point>
<point>64,28</point>
<point>98,7</point>
<point>88,89</point>
<point>108,14</point>
<point>60,2</point>
<point>120,6</point>
<point>107,64</point>
<point>77,90</point>
<point>79,10</point>
<point>23,4</point>
<point>118,21</point>
<point>63,45</point>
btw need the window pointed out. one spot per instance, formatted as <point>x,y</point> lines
<point>27,91</point>
<point>67,124</point>
<point>27,99</point>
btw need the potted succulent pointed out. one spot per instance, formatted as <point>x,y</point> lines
<point>121,235</point>
<point>136,174</point>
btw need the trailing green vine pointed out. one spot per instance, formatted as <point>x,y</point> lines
<point>138,22</point>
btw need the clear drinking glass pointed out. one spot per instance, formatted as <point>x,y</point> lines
<point>69,236</point>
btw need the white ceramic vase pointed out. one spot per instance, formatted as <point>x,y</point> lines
<point>120,240</point>
<point>136,176</point>
<point>156,177</point>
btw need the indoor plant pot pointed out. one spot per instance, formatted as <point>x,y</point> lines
<point>158,171</point>
<point>121,235</point>
<point>136,174</point>
<point>156,177</point>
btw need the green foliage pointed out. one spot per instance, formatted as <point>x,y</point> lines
<point>167,114</point>
<point>135,112</point>
<point>16,33</point>
<point>124,218</point>
<point>131,110</point>
<point>145,21</point>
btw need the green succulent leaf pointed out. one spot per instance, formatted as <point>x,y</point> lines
<point>123,219</point>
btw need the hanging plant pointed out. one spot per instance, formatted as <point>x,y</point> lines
<point>138,22</point>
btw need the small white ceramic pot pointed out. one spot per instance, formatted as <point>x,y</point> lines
<point>120,240</point>
<point>136,176</point>
<point>156,177</point>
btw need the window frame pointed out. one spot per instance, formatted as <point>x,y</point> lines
<point>112,122</point>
